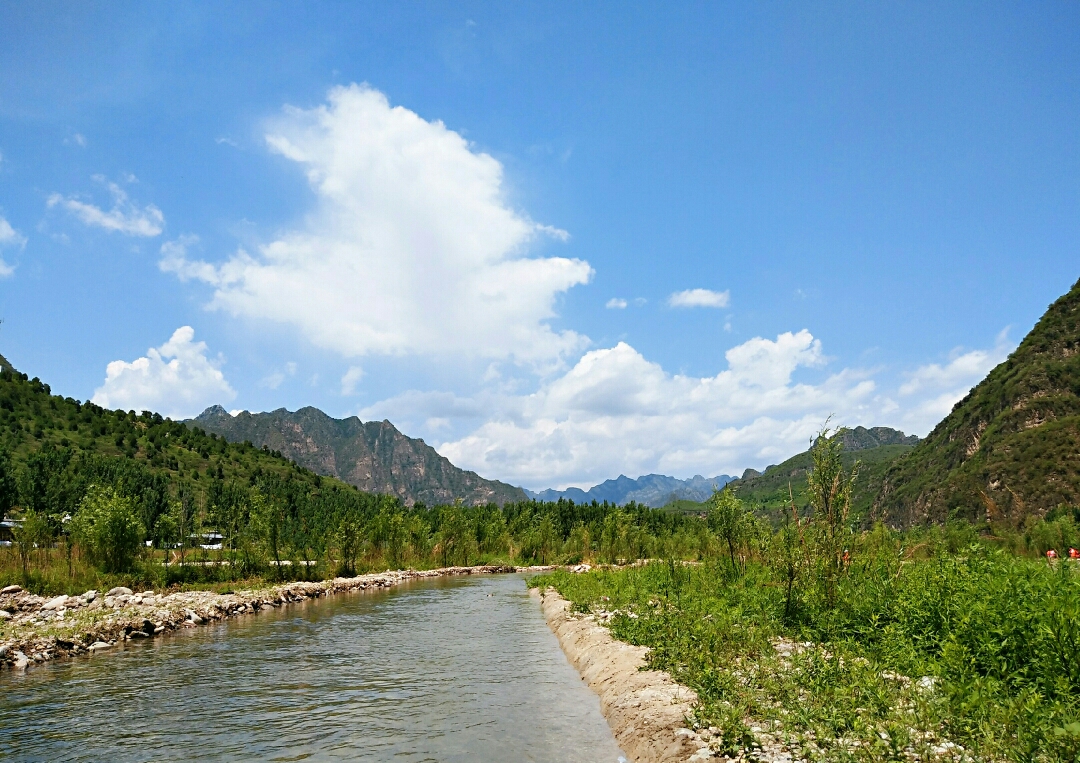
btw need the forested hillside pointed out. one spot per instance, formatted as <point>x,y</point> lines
<point>875,449</point>
<point>1011,447</point>
<point>373,455</point>
<point>52,448</point>
<point>87,486</point>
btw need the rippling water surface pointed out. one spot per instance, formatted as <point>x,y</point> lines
<point>459,669</point>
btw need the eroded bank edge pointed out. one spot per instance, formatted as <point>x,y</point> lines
<point>646,709</point>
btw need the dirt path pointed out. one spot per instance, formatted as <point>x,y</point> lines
<point>646,710</point>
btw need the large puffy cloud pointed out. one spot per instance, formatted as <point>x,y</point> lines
<point>125,216</point>
<point>616,412</point>
<point>177,379</point>
<point>412,246</point>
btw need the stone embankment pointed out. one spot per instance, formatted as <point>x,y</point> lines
<point>646,709</point>
<point>35,629</point>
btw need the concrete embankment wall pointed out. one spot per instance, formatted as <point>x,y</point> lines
<point>646,710</point>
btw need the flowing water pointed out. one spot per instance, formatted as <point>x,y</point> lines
<point>454,669</point>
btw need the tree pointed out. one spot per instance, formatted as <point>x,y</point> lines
<point>108,527</point>
<point>727,518</point>
<point>830,492</point>
<point>29,534</point>
<point>9,488</point>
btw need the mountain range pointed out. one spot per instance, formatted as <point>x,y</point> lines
<point>373,455</point>
<point>654,490</point>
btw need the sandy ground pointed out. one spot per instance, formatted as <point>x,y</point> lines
<point>646,710</point>
<point>35,629</point>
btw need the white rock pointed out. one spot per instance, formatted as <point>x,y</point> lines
<point>21,661</point>
<point>56,603</point>
<point>89,596</point>
<point>98,645</point>
<point>4,614</point>
<point>119,591</point>
<point>11,589</point>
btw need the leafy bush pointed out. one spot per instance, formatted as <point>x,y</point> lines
<point>107,526</point>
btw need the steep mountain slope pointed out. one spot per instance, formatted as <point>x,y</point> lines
<point>654,490</point>
<point>875,449</point>
<point>374,456</point>
<point>1011,447</point>
<point>6,366</point>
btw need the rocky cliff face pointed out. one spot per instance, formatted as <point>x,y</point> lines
<point>1012,446</point>
<point>372,455</point>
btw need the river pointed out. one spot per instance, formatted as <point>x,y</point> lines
<point>451,669</point>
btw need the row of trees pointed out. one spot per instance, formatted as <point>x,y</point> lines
<point>119,516</point>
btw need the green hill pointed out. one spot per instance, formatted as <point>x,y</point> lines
<point>876,449</point>
<point>373,455</point>
<point>1011,447</point>
<point>56,446</point>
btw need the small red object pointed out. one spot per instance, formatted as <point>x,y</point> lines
<point>1051,554</point>
<point>1073,553</point>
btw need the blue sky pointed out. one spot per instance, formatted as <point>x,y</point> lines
<point>477,220</point>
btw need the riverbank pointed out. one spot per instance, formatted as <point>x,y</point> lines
<point>35,629</point>
<point>646,709</point>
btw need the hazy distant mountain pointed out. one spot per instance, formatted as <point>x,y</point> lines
<point>651,490</point>
<point>372,455</point>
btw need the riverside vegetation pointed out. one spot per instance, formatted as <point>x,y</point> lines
<point>950,642</point>
<point>110,498</point>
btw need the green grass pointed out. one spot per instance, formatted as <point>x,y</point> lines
<point>995,639</point>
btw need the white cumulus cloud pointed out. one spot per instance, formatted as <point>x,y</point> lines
<point>616,303</point>
<point>932,390</point>
<point>177,380</point>
<point>411,248</point>
<point>699,298</point>
<point>615,412</point>
<point>351,379</point>
<point>125,216</point>
<point>9,237</point>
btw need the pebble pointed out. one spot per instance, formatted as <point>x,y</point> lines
<point>56,603</point>
<point>21,661</point>
<point>4,614</point>
<point>11,589</point>
<point>99,645</point>
<point>119,591</point>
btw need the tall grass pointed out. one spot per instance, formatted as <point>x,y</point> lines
<point>933,636</point>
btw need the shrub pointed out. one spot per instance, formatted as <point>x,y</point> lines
<point>108,528</point>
